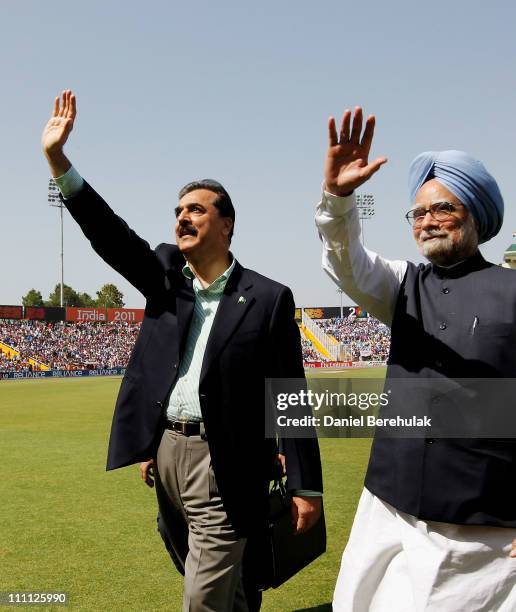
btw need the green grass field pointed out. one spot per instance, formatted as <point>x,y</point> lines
<point>67,525</point>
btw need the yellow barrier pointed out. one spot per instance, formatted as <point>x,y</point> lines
<point>331,338</point>
<point>309,336</point>
<point>10,352</point>
<point>38,365</point>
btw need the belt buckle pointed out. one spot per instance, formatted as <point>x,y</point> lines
<point>182,426</point>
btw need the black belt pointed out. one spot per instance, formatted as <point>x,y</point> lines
<point>187,428</point>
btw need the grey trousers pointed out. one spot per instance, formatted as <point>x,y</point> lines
<point>198,526</point>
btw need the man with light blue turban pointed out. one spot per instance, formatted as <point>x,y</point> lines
<point>437,516</point>
<point>468,180</point>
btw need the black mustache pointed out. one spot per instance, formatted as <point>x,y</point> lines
<point>187,229</point>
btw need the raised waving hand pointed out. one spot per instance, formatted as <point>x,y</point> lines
<point>57,130</point>
<point>347,162</point>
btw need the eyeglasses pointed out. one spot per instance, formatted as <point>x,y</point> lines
<point>440,211</point>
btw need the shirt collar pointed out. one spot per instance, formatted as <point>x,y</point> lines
<point>472,264</point>
<point>217,286</point>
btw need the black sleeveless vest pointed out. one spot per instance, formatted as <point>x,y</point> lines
<point>462,481</point>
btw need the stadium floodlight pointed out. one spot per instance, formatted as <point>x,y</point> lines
<point>365,205</point>
<point>56,202</point>
<point>339,290</point>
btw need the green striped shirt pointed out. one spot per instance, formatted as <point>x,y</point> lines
<point>183,404</point>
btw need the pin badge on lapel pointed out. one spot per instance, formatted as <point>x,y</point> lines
<point>242,300</point>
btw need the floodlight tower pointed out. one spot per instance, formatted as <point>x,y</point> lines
<point>53,197</point>
<point>339,290</point>
<point>365,205</point>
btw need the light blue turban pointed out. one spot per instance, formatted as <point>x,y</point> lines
<point>468,180</point>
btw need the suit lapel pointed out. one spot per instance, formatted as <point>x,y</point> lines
<point>234,304</point>
<point>185,301</point>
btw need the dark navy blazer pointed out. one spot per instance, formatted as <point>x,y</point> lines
<point>252,339</point>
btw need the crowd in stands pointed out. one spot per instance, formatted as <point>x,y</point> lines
<point>14,364</point>
<point>61,345</point>
<point>310,353</point>
<point>366,339</point>
<point>64,345</point>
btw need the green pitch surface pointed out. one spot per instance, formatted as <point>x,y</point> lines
<point>67,525</point>
<point>376,373</point>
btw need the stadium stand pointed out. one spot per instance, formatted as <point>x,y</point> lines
<point>365,339</point>
<point>64,345</point>
<point>310,353</point>
<point>14,364</point>
<point>39,345</point>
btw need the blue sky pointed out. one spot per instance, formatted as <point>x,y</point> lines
<point>168,92</point>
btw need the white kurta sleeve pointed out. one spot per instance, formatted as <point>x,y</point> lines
<point>371,280</point>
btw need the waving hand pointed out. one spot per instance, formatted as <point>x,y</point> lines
<point>347,162</point>
<point>57,130</point>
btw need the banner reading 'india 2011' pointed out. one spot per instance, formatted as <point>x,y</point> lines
<point>105,315</point>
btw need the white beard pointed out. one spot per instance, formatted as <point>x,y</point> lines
<point>443,250</point>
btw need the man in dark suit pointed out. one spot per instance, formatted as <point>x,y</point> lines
<point>192,399</point>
